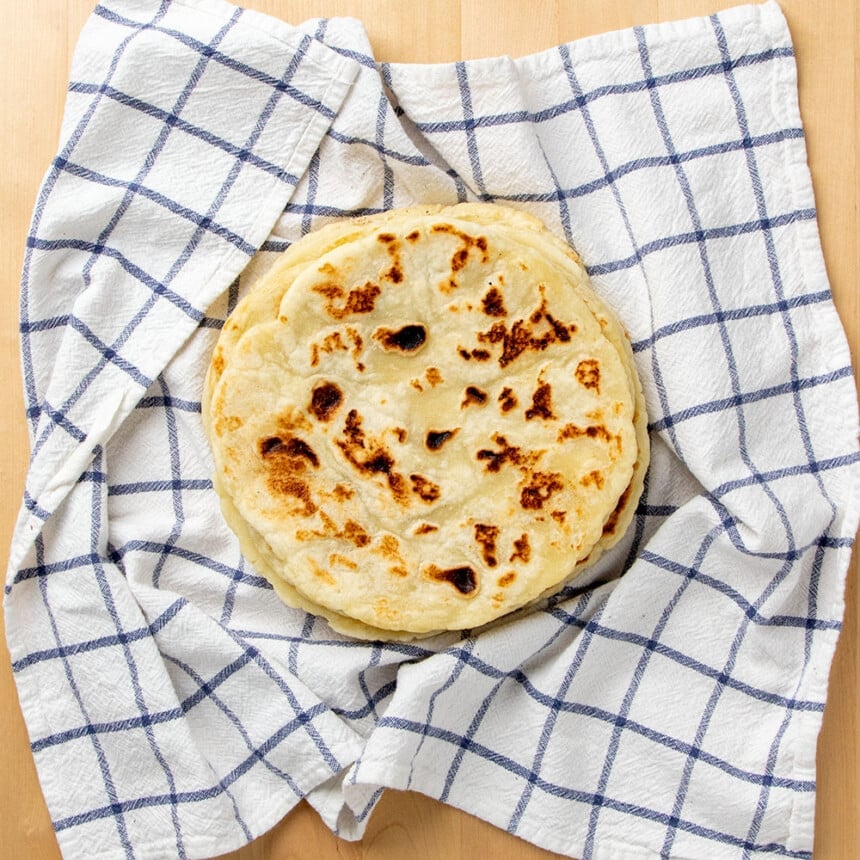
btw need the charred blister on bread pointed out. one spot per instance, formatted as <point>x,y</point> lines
<point>464,579</point>
<point>507,399</point>
<point>473,396</point>
<point>326,399</point>
<point>435,439</point>
<point>424,488</point>
<point>477,354</point>
<point>408,338</point>
<point>493,303</point>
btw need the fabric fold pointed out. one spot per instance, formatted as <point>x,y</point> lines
<point>153,91</point>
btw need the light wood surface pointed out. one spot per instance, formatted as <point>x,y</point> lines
<point>36,42</point>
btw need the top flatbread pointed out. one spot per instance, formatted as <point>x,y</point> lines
<point>424,420</point>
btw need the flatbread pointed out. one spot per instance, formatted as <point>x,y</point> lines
<point>424,420</point>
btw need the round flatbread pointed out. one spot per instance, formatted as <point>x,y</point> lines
<point>424,420</point>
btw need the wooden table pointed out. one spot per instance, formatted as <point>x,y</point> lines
<point>37,42</point>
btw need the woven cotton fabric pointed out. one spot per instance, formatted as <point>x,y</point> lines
<point>665,705</point>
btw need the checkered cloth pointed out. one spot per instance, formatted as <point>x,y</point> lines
<point>175,706</point>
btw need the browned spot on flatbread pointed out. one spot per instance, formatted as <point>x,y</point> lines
<point>342,492</point>
<point>533,335</point>
<point>592,431</point>
<point>228,423</point>
<point>486,537</point>
<point>218,362</point>
<point>588,374</point>
<point>332,342</point>
<point>322,573</point>
<point>424,488</point>
<point>437,438</point>
<point>291,447</point>
<point>477,354</point>
<point>370,456</point>
<point>357,344</point>
<point>288,485</point>
<point>425,529</point>
<point>464,579</point>
<point>541,486</point>
<point>507,454</point>
<point>433,376</point>
<point>336,558</point>
<point>339,304</point>
<point>388,548</point>
<point>493,304</point>
<point>479,242</point>
<point>395,272</point>
<point>507,399</point>
<point>522,549</point>
<point>473,396</point>
<point>414,236</point>
<point>286,458</point>
<point>352,532</point>
<point>541,403</point>
<point>326,399</point>
<point>506,579</point>
<point>407,338</point>
<point>593,478</point>
<point>460,257</point>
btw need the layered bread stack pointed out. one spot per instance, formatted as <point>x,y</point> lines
<point>425,419</point>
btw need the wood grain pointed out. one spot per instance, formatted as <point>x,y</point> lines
<point>36,43</point>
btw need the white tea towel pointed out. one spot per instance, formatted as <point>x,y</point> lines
<point>667,704</point>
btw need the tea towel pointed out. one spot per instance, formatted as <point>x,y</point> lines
<point>667,704</point>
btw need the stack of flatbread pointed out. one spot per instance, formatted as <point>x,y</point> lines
<point>423,420</point>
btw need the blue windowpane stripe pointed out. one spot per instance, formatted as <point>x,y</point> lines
<point>510,765</point>
<point>584,98</point>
